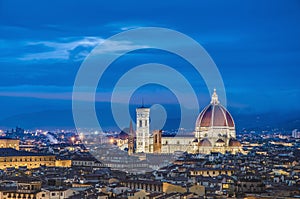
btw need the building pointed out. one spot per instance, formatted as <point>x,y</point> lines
<point>20,188</point>
<point>63,163</point>
<point>13,158</point>
<point>142,129</point>
<point>55,193</point>
<point>147,185</point>
<point>131,139</point>
<point>296,133</point>
<point>251,186</point>
<point>137,194</point>
<point>31,188</point>
<point>214,132</point>
<point>88,161</point>
<point>215,129</point>
<point>10,143</point>
<point>211,172</point>
<point>163,187</point>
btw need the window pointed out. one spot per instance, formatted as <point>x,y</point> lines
<point>141,123</point>
<point>43,195</point>
<point>146,122</point>
<point>53,194</point>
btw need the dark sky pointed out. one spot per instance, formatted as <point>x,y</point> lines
<point>255,44</point>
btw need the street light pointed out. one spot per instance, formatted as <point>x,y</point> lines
<point>73,139</point>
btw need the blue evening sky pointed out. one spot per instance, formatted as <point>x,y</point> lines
<point>255,44</point>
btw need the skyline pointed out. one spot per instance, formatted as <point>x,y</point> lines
<point>257,53</point>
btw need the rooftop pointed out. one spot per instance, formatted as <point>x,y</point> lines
<point>10,152</point>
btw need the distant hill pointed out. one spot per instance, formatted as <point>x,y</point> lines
<point>267,121</point>
<point>51,119</point>
<point>44,119</point>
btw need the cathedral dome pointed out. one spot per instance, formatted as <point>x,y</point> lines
<point>214,115</point>
<point>205,143</point>
<point>234,143</point>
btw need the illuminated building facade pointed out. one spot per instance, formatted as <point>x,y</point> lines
<point>142,129</point>
<point>214,132</point>
<point>13,158</point>
<point>10,143</point>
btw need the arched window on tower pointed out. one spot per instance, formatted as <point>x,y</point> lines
<point>141,123</point>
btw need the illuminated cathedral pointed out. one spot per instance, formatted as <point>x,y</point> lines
<point>214,132</point>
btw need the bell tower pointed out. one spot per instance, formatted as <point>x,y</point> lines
<point>142,129</point>
<point>131,140</point>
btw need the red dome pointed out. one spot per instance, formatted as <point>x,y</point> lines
<point>214,115</point>
<point>235,143</point>
<point>205,143</point>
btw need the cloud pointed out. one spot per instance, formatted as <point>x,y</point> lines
<point>63,49</point>
<point>128,27</point>
<point>50,92</point>
<point>114,47</point>
<point>37,91</point>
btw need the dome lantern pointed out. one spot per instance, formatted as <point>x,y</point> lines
<point>214,98</point>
